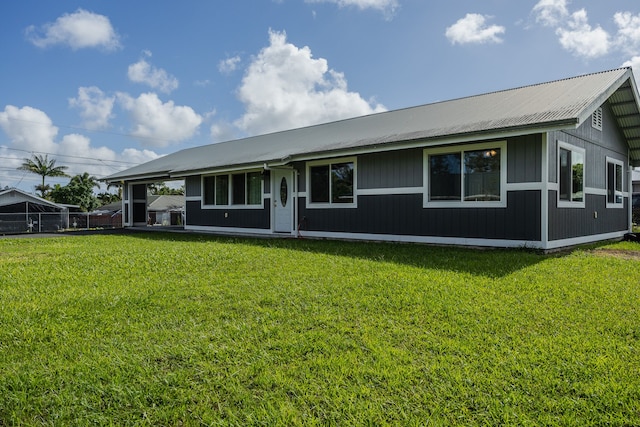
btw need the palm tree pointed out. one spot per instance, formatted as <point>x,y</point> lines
<point>41,165</point>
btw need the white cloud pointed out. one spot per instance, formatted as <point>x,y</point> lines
<point>74,147</point>
<point>222,131</point>
<point>228,65</point>
<point>95,107</point>
<point>78,30</point>
<point>31,131</point>
<point>388,7</point>
<point>157,78</point>
<point>581,39</point>
<point>628,37</point>
<point>285,87</point>
<point>473,29</point>
<point>551,12</point>
<point>633,62</point>
<point>159,124</point>
<point>28,128</point>
<point>135,156</point>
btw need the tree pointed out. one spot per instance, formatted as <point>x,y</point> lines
<point>43,166</point>
<point>116,185</point>
<point>161,189</point>
<point>79,192</point>
<point>106,198</point>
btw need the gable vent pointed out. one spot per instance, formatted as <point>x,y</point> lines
<point>596,119</point>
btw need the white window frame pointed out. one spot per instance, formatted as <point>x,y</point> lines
<point>229,204</point>
<point>328,162</point>
<point>502,203</point>
<point>615,205</point>
<point>574,149</point>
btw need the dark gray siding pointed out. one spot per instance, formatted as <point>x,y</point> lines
<point>404,215</point>
<point>192,186</point>
<point>391,169</point>
<point>240,218</point>
<point>597,144</point>
<point>139,203</point>
<point>524,159</point>
<point>567,223</point>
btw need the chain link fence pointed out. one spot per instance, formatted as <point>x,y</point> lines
<point>51,222</point>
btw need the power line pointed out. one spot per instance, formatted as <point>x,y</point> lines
<point>67,155</point>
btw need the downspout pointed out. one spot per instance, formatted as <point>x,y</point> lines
<point>296,223</point>
<point>629,193</point>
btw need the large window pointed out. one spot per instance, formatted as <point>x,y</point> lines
<point>238,189</point>
<point>331,183</point>
<point>470,175</point>
<point>615,196</point>
<point>570,176</point>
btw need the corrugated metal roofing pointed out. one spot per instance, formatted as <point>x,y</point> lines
<point>14,195</point>
<point>558,104</point>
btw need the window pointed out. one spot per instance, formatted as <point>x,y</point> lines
<point>614,183</point>
<point>254,188</point>
<point>331,183</point>
<point>238,189</point>
<point>596,119</point>
<point>208,189</point>
<point>570,176</point>
<point>238,185</point>
<point>471,175</point>
<point>222,190</point>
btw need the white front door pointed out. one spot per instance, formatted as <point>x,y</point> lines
<point>282,194</point>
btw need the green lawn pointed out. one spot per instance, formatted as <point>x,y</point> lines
<point>170,329</point>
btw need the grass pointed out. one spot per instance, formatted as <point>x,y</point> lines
<point>166,329</point>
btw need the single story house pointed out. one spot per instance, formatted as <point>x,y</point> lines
<point>543,166</point>
<point>23,212</point>
<point>165,209</point>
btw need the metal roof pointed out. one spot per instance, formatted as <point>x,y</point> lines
<point>554,105</point>
<point>15,195</point>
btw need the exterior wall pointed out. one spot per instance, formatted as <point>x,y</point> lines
<point>403,214</point>
<point>390,200</point>
<point>391,187</point>
<point>229,218</point>
<point>192,186</point>
<point>139,204</point>
<point>525,159</point>
<point>225,217</point>
<point>394,169</point>
<point>595,218</point>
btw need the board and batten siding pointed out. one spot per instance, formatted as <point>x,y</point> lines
<point>230,218</point>
<point>192,186</point>
<point>390,169</point>
<point>225,217</point>
<point>595,218</point>
<point>404,215</point>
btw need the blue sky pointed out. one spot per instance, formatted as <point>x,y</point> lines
<point>103,85</point>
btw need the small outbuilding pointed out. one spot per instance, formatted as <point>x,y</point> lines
<point>165,210</point>
<point>543,166</point>
<point>23,212</point>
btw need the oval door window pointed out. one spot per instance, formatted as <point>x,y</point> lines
<point>284,191</point>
